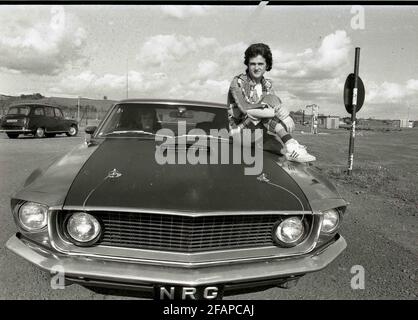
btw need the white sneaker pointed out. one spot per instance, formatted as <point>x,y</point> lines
<point>293,151</point>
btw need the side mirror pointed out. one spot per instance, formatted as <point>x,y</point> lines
<point>90,129</point>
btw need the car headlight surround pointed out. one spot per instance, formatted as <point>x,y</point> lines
<point>289,232</point>
<point>82,228</point>
<point>330,222</point>
<point>32,216</point>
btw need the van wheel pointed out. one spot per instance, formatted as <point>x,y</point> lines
<point>12,135</point>
<point>40,133</point>
<point>72,132</point>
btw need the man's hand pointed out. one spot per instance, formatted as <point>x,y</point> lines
<point>288,122</point>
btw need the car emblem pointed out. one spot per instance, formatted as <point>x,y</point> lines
<point>114,174</point>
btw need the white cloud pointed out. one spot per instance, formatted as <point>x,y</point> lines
<point>333,52</point>
<point>161,50</point>
<point>207,69</point>
<point>202,68</point>
<point>230,58</point>
<point>9,71</point>
<point>390,93</point>
<point>324,63</point>
<point>88,82</point>
<point>307,53</point>
<point>39,40</point>
<point>387,92</point>
<point>208,90</point>
<point>183,67</point>
<point>412,85</point>
<point>182,12</point>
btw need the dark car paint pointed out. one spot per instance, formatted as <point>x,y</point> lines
<point>200,187</point>
<point>50,124</point>
<point>321,193</point>
<point>12,125</point>
<point>51,185</point>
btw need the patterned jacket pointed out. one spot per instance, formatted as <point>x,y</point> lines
<point>243,96</point>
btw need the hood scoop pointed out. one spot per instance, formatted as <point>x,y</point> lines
<point>182,147</point>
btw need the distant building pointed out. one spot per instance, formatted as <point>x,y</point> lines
<point>406,123</point>
<point>329,122</point>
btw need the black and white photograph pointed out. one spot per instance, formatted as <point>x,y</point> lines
<point>208,151</point>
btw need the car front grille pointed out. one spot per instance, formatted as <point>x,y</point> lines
<point>184,233</point>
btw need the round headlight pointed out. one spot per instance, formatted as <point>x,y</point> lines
<point>290,231</point>
<point>330,221</point>
<point>83,227</point>
<point>33,216</point>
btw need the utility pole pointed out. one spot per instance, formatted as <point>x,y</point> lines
<point>78,109</point>
<point>127,79</point>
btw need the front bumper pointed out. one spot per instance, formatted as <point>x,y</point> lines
<point>82,269</point>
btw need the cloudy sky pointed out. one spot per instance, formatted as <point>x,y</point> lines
<point>192,52</point>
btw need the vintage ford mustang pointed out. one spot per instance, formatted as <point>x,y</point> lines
<point>155,202</point>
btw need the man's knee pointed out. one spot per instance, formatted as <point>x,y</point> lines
<point>272,100</point>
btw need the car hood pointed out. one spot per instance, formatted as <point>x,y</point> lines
<point>50,183</point>
<point>79,178</point>
<point>146,185</point>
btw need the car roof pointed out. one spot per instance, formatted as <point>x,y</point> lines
<point>175,102</point>
<point>23,104</point>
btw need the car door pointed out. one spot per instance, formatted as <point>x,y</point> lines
<point>60,121</point>
<point>37,117</point>
<point>50,123</point>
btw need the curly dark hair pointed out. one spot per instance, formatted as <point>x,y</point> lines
<point>259,49</point>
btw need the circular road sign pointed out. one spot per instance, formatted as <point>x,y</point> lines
<point>348,93</point>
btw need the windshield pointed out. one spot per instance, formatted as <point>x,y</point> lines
<point>19,110</point>
<point>146,119</point>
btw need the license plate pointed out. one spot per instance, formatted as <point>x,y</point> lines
<point>172,292</point>
<point>11,120</point>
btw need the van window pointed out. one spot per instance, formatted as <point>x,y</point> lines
<point>49,112</point>
<point>58,113</point>
<point>19,110</point>
<point>39,111</point>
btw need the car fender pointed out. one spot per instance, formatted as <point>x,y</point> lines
<point>49,185</point>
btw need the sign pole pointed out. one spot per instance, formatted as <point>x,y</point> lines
<point>353,114</point>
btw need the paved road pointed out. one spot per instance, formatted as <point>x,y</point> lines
<point>389,260</point>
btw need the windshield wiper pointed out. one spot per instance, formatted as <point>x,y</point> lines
<point>137,132</point>
<point>202,135</point>
<point>129,131</point>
